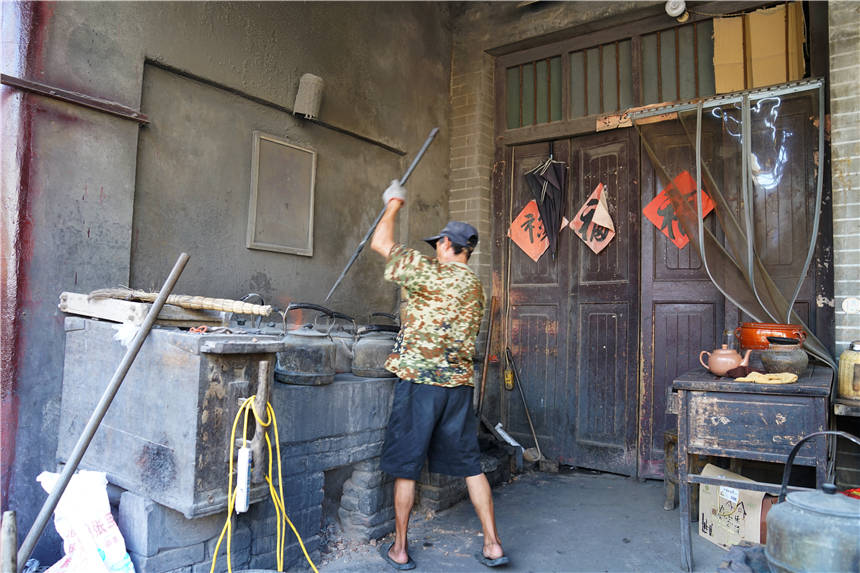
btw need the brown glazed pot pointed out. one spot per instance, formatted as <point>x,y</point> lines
<point>753,335</point>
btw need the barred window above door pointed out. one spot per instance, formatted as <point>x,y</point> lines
<point>672,64</point>
<point>678,64</point>
<point>601,79</point>
<point>534,92</point>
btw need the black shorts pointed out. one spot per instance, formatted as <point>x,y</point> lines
<point>431,422</point>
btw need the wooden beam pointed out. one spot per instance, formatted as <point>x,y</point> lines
<point>590,34</point>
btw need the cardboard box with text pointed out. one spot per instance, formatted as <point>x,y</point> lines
<point>729,515</point>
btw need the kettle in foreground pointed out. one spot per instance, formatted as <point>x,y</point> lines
<point>816,530</point>
<point>723,359</point>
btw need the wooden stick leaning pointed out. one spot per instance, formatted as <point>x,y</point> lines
<point>480,406</point>
<point>184,301</point>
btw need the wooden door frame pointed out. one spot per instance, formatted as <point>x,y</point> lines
<point>615,28</point>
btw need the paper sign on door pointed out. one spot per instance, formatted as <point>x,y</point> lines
<point>593,222</point>
<point>661,212</point>
<point>527,231</point>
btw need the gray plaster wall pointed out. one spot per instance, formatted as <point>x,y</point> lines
<point>86,195</point>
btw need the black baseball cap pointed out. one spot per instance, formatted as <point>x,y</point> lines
<point>460,233</point>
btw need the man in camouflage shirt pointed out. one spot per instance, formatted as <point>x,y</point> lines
<point>432,416</point>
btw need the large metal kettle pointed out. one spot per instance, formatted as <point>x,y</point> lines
<point>373,346</point>
<point>814,531</point>
<point>343,334</point>
<point>309,358</point>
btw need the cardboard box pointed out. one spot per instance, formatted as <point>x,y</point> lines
<point>774,40</point>
<point>759,49</point>
<point>729,515</point>
<point>729,64</point>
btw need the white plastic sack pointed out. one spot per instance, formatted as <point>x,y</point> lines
<point>91,539</point>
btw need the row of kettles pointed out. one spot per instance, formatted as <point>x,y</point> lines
<point>334,344</point>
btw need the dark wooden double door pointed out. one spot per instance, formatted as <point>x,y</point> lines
<point>598,338</point>
<point>574,321</point>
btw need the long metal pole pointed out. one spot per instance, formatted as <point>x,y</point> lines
<point>363,242</point>
<point>523,396</point>
<point>97,416</point>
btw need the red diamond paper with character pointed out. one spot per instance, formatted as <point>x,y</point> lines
<point>661,212</point>
<point>527,231</point>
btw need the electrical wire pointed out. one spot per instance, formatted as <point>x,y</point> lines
<point>276,495</point>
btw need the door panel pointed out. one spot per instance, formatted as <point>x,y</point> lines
<point>534,340</point>
<point>601,417</point>
<point>535,304</point>
<point>682,311</point>
<point>681,332</point>
<point>604,291</point>
<point>574,321</point>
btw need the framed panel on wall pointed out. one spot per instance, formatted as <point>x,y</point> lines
<point>281,211</point>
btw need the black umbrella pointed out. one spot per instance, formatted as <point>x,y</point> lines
<point>547,184</point>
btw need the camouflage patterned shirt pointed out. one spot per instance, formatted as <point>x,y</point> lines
<point>443,315</point>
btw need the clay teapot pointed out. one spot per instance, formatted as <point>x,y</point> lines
<point>723,359</point>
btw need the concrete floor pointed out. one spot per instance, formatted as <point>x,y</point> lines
<point>566,522</point>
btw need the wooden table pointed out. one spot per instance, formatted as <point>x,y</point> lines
<point>720,417</point>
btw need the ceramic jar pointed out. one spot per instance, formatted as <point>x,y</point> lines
<point>784,355</point>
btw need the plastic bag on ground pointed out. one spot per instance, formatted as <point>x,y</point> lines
<point>91,539</point>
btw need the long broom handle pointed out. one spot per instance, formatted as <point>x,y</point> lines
<point>186,301</point>
<point>363,242</point>
<point>97,416</point>
<point>523,396</point>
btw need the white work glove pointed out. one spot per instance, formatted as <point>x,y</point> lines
<point>394,191</point>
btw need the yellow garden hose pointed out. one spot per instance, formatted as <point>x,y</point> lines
<point>277,495</point>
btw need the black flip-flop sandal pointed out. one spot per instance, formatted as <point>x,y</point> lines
<point>484,560</point>
<point>383,551</point>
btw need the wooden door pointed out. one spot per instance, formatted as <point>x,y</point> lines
<point>573,323</point>
<point>536,307</point>
<point>682,311</point>
<point>603,322</point>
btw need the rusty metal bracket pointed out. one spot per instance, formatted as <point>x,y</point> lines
<point>76,98</point>
<point>639,113</point>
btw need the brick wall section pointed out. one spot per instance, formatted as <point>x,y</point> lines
<point>471,154</point>
<point>845,157</point>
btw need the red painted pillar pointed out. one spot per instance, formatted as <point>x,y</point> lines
<point>28,19</point>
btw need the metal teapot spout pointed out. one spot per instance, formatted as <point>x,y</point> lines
<point>746,360</point>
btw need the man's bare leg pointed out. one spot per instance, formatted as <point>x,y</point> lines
<point>404,498</point>
<point>482,498</point>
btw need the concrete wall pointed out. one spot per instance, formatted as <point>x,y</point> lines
<point>845,163</point>
<point>74,175</point>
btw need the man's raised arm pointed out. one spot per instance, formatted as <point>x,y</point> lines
<point>383,237</point>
